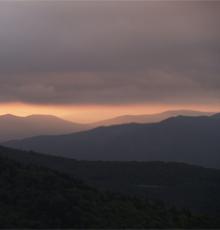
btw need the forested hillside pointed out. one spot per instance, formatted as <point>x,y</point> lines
<point>33,197</point>
<point>177,184</point>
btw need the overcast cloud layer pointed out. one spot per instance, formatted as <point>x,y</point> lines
<point>110,52</point>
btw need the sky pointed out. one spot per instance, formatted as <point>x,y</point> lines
<point>90,60</point>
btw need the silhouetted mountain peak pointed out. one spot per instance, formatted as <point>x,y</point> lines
<point>217,115</point>
<point>9,116</point>
<point>181,118</point>
<point>15,127</point>
<point>44,117</point>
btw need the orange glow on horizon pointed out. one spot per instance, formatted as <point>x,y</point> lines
<point>93,113</point>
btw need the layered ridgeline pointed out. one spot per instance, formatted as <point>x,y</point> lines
<point>14,127</point>
<point>37,197</point>
<point>176,184</point>
<point>183,139</point>
<point>150,118</point>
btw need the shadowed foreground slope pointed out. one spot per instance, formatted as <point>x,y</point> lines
<point>184,186</point>
<point>33,197</point>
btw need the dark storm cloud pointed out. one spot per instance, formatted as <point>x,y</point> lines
<point>109,52</point>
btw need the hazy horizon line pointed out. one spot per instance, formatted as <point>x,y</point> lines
<point>111,117</point>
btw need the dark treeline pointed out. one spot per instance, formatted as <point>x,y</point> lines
<point>176,184</point>
<point>36,197</point>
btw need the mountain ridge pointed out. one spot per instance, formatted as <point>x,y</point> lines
<point>20,127</point>
<point>186,139</point>
<point>150,118</point>
<point>16,127</point>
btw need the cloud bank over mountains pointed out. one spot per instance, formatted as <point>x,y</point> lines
<point>109,52</point>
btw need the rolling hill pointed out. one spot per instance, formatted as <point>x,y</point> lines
<point>183,139</point>
<point>176,184</point>
<point>39,198</point>
<point>14,127</point>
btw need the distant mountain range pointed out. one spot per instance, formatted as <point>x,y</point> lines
<point>183,139</point>
<point>14,127</point>
<point>150,118</point>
